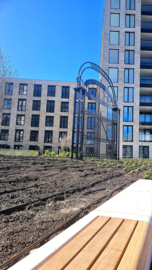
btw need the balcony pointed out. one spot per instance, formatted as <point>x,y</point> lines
<point>146,10</point>
<point>145,81</point>
<point>146,45</point>
<point>144,137</point>
<point>145,119</point>
<point>146,101</point>
<point>146,63</point>
<point>146,27</point>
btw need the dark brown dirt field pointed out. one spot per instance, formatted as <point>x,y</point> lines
<point>27,179</point>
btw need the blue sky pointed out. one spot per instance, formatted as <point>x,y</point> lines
<point>50,39</point>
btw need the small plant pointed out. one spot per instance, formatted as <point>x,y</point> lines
<point>31,153</point>
<point>126,168</point>
<point>143,167</point>
<point>68,154</point>
<point>119,166</point>
<point>146,175</point>
<point>131,172</point>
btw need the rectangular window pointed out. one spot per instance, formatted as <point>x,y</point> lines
<point>62,136</point>
<point>115,4</point>
<point>90,137</point>
<point>113,56</point>
<point>51,90</point>
<point>76,107</point>
<point>21,105</point>
<point>64,106</point>
<point>35,120</point>
<point>18,147</point>
<point>34,136</point>
<point>127,151</point>
<point>33,147</point>
<point>92,91</point>
<point>92,107</point>
<point>9,89</point>
<point>114,19</point>
<point>128,94</point>
<point>5,119</point>
<point>20,120</point>
<point>130,4</point>
<point>63,121</point>
<point>36,105</point>
<point>50,106</point>
<point>49,121</point>
<point>109,114</point>
<point>4,134</point>
<point>75,137</point>
<point>114,38</point>
<point>129,75</point>
<point>19,135</point>
<point>127,133</point>
<point>48,147</point>
<point>116,92</point>
<point>90,150</point>
<point>48,136</point>
<point>7,104</point>
<point>130,39</point>
<point>128,114</point>
<point>76,122</point>
<point>91,123</point>
<point>23,89</point>
<point>129,57</point>
<point>65,92</point>
<point>130,20</point>
<point>109,132</point>
<point>145,152</point>
<point>113,74</point>
<point>37,90</point>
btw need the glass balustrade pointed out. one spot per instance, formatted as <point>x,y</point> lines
<point>146,10</point>
<point>146,45</point>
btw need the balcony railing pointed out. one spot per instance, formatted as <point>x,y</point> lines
<point>146,63</point>
<point>146,27</point>
<point>146,10</point>
<point>145,137</point>
<point>146,45</point>
<point>145,81</point>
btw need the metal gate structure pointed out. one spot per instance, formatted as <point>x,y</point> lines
<point>95,134</point>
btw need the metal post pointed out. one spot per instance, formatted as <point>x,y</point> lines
<point>83,124</point>
<point>73,124</point>
<point>78,124</point>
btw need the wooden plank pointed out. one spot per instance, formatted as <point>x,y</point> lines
<point>86,258</point>
<point>61,258</point>
<point>136,253</point>
<point>112,254</point>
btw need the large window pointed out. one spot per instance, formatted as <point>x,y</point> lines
<point>8,88</point>
<point>63,121</point>
<point>50,106</point>
<point>21,105</point>
<point>92,107</point>
<point>128,114</point>
<point>75,137</point>
<point>128,94</point>
<point>23,89</point>
<point>92,91</point>
<point>90,151</point>
<point>109,132</point>
<point>20,120</point>
<point>76,122</point>
<point>76,107</point>
<point>127,133</point>
<point>115,3</point>
<point>19,135</point>
<point>7,104</point>
<point>130,39</point>
<point>48,136</point>
<point>113,56</point>
<point>145,152</point>
<point>90,137</point>
<point>130,20</point>
<point>37,90</point>
<point>129,57</point>
<point>36,105</point>
<point>130,4</point>
<point>65,92</point>
<point>114,19</point>
<point>109,114</point>
<point>51,90</point>
<point>127,151</point>
<point>64,106</point>
<point>4,134</point>
<point>62,136</point>
<point>34,135</point>
<point>116,92</point>
<point>35,120</point>
<point>49,121</point>
<point>91,123</point>
<point>5,119</point>
<point>113,74</point>
<point>18,147</point>
<point>129,75</point>
<point>114,38</point>
<point>48,147</point>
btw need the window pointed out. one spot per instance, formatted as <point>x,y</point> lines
<point>115,3</point>
<point>63,121</point>
<point>75,137</point>
<point>23,89</point>
<point>64,106</point>
<point>109,132</point>
<point>18,147</point>
<point>127,133</point>
<point>90,150</point>
<point>48,147</point>
<point>65,92</point>
<point>34,147</point>
<point>113,56</point>
<point>92,91</point>
<point>129,57</point>
<point>20,120</point>
<point>7,104</point>
<point>37,90</point>
<point>36,105</point>
<point>113,74</point>
<point>19,135</point>
<point>50,106</point>
<point>90,137</point>
<point>114,38</point>
<point>92,107</point>
<point>34,136</point>
<point>76,122</point>
<point>130,20</point>
<point>35,120</point>
<point>91,123</point>
<point>128,114</point>
<point>128,94</point>
<point>48,136</point>
<point>62,136</point>
<point>8,88</point>
<point>49,121</point>
<point>4,134</point>
<point>76,107</point>
<point>51,91</point>
<point>129,75</point>
<point>130,39</point>
<point>114,19</point>
<point>109,114</point>
<point>21,105</point>
<point>5,119</point>
<point>127,151</point>
<point>116,92</point>
<point>145,152</point>
<point>130,4</point>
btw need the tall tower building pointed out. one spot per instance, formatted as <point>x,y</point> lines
<point>126,55</point>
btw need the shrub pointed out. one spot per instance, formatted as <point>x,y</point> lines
<point>68,154</point>
<point>31,153</point>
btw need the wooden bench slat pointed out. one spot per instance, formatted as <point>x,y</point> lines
<point>135,255</point>
<point>112,254</point>
<point>85,259</point>
<point>62,257</point>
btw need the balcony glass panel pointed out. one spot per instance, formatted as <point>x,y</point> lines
<point>146,10</point>
<point>146,81</point>
<point>145,99</point>
<point>146,44</point>
<point>145,135</point>
<point>146,63</point>
<point>145,119</point>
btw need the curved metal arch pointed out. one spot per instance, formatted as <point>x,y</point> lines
<point>101,71</point>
